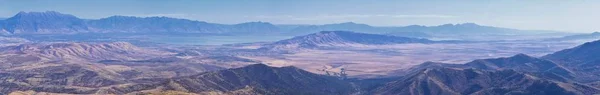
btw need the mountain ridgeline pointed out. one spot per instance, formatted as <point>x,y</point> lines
<point>262,79</point>
<point>583,60</point>
<point>51,22</point>
<point>448,81</point>
<point>519,74</point>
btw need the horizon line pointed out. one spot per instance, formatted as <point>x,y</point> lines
<point>345,22</point>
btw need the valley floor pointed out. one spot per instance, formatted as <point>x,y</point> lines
<point>384,60</point>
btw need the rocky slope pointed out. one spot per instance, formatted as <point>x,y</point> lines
<point>262,79</point>
<point>87,68</point>
<point>252,79</point>
<point>519,74</point>
<point>582,59</point>
<point>583,54</point>
<point>95,51</point>
<point>520,62</point>
<point>59,78</point>
<point>450,81</point>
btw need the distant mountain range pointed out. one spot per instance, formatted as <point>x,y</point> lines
<point>51,22</point>
<point>588,36</point>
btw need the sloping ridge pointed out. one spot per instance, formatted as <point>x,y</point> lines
<point>343,38</point>
<point>594,35</point>
<point>262,79</point>
<point>451,81</point>
<point>585,53</point>
<point>583,60</point>
<point>91,51</point>
<point>248,80</point>
<point>58,79</point>
<point>520,62</point>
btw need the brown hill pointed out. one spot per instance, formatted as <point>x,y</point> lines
<point>86,51</point>
<point>262,79</point>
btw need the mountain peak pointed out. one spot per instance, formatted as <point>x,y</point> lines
<point>120,16</point>
<point>335,32</point>
<point>461,24</point>
<point>256,22</point>
<point>44,22</point>
<point>46,14</point>
<point>250,27</point>
<point>258,66</point>
<point>521,55</point>
<point>468,24</point>
<point>347,24</point>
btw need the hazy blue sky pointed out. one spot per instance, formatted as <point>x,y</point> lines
<point>565,15</point>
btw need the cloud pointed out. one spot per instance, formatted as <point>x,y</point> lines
<point>349,16</point>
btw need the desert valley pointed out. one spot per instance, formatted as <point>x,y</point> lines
<point>56,53</point>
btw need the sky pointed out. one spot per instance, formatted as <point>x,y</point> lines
<point>560,15</point>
